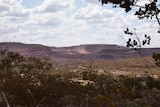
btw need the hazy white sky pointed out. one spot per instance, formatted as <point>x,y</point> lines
<point>69,22</point>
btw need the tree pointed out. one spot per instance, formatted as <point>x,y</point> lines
<point>156,57</point>
<point>149,10</point>
<point>20,75</point>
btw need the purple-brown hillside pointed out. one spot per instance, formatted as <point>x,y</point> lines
<point>81,52</point>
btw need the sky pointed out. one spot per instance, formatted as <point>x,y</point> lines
<point>70,22</point>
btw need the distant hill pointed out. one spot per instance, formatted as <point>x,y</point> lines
<point>82,52</point>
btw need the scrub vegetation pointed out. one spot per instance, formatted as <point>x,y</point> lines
<point>31,82</point>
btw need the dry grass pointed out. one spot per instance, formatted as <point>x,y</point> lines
<point>133,65</point>
<point>129,66</point>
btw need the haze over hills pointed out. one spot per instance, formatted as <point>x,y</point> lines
<point>82,52</point>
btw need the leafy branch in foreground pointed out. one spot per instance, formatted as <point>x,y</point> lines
<point>156,57</point>
<point>147,10</point>
<point>134,41</point>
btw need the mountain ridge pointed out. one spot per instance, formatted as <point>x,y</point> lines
<point>88,52</point>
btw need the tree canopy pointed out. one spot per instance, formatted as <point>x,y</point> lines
<point>149,10</point>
